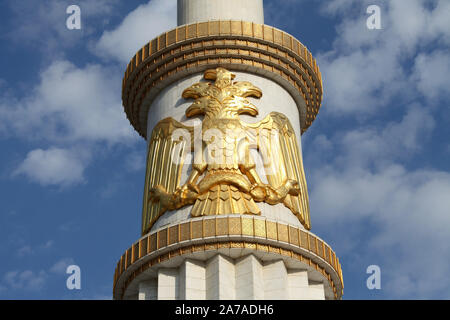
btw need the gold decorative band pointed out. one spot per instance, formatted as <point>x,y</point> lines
<point>204,234</point>
<point>236,45</point>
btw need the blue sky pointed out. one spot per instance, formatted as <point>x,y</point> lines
<point>376,158</point>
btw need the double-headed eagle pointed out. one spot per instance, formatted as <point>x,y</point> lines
<point>223,179</point>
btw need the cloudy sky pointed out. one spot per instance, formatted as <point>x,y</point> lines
<point>376,158</point>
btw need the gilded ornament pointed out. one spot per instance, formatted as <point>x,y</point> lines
<point>223,179</point>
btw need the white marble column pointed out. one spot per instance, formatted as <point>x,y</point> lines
<point>249,279</point>
<point>300,288</point>
<point>148,290</point>
<point>220,279</point>
<point>192,280</point>
<point>234,268</point>
<point>223,278</point>
<point>275,281</point>
<point>168,284</point>
<point>190,11</point>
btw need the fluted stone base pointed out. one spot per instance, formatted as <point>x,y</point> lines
<point>224,278</point>
<point>229,257</point>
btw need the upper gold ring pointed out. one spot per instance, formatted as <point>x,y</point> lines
<point>235,45</point>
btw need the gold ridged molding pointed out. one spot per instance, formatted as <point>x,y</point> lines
<point>236,45</point>
<point>205,234</point>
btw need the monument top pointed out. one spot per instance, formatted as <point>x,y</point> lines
<point>191,11</point>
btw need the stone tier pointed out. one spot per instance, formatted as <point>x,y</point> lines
<point>234,237</point>
<point>251,277</point>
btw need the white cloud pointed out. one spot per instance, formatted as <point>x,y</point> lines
<point>406,218</point>
<point>135,161</point>
<point>27,250</point>
<point>34,281</point>
<point>374,145</point>
<point>396,140</point>
<point>334,7</point>
<point>366,180</point>
<point>392,216</point>
<point>25,280</point>
<point>70,104</point>
<point>53,167</point>
<point>362,160</point>
<point>24,251</point>
<point>74,105</point>
<point>366,69</point>
<point>38,22</point>
<point>431,72</point>
<point>68,226</point>
<point>60,266</point>
<point>47,245</point>
<point>138,28</point>
<point>360,82</point>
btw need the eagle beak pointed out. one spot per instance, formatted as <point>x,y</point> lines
<point>254,92</point>
<point>250,109</point>
<point>194,109</point>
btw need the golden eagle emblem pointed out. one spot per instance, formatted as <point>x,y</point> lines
<point>223,179</point>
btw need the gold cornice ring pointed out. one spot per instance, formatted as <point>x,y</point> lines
<point>236,45</point>
<point>203,234</point>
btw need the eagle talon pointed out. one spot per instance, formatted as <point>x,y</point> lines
<point>258,193</point>
<point>273,196</point>
<point>193,188</point>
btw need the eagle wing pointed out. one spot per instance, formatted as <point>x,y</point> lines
<point>168,146</point>
<point>276,141</point>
